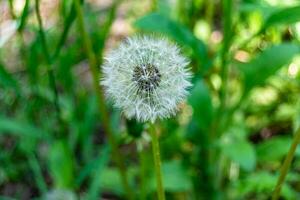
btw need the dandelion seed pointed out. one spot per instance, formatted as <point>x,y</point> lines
<point>146,78</point>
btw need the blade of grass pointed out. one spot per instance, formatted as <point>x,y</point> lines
<point>36,168</point>
<point>24,16</point>
<point>21,128</point>
<point>101,103</point>
<point>91,166</point>
<point>67,25</point>
<point>11,9</point>
<point>95,187</point>
<point>106,28</point>
<point>50,69</point>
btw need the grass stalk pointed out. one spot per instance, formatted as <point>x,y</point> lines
<point>100,98</point>
<point>50,69</point>
<point>154,5</point>
<point>157,162</point>
<point>286,165</point>
<point>218,127</point>
<point>227,31</point>
<point>209,14</point>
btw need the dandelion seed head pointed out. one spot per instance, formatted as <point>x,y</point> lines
<point>146,78</point>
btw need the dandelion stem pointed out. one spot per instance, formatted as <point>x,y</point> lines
<point>101,104</point>
<point>157,162</point>
<point>286,165</point>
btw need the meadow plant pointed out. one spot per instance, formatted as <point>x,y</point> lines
<point>147,78</point>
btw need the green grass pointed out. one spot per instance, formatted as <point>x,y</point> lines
<point>59,133</point>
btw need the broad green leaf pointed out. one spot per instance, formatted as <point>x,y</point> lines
<point>159,23</point>
<point>61,165</point>
<point>242,152</point>
<point>201,103</point>
<point>175,177</point>
<point>267,63</point>
<point>274,149</point>
<point>284,16</point>
<point>20,128</point>
<point>110,180</point>
<point>264,9</point>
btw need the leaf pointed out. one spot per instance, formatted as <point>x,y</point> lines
<point>175,178</point>
<point>162,24</point>
<point>20,128</point>
<point>61,165</point>
<point>274,149</point>
<point>283,16</point>
<point>7,80</point>
<point>110,180</point>
<point>24,15</point>
<point>242,152</point>
<point>262,184</point>
<point>267,63</point>
<point>201,103</point>
<point>96,182</point>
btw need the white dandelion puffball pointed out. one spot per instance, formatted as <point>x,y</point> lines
<point>146,78</point>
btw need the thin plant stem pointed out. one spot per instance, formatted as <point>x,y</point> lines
<point>154,5</point>
<point>50,69</point>
<point>222,110</point>
<point>286,165</point>
<point>11,9</point>
<point>157,162</point>
<point>210,9</point>
<point>227,31</point>
<point>142,164</point>
<point>100,98</point>
<point>68,21</point>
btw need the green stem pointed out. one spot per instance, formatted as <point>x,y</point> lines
<point>142,172</point>
<point>68,21</point>
<point>227,31</point>
<point>50,69</point>
<point>154,5</point>
<point>157,163</point>
<point>101,104</point>
<point>286,165</point>
<point>218,127</point>
<point>11,9</point>
<point>210,5</point>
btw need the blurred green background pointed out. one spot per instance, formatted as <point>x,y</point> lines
<point>226,142</point>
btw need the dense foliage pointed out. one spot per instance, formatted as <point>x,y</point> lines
<point>59,135</point>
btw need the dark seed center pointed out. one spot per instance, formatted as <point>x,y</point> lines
<point>147,77</point>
